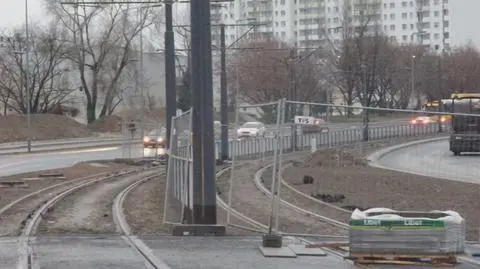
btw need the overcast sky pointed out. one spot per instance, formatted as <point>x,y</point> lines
<point>465,17</point>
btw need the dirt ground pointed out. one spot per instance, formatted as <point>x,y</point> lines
<point>144,207</point>
<point>247,199</point>
<point>347,181</point>
<point>43,126</point>
<point>87,211</point>
<point>11,219</point>
<point>50,126</point>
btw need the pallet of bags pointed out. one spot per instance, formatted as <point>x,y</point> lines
<point>383,231</point>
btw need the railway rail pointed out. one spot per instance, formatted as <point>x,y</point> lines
<point>64,189</point>
<point>33,219</point>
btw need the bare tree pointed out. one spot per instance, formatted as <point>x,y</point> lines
<point>366,65</point>
<point>101,46</point>
<point>48,84</point>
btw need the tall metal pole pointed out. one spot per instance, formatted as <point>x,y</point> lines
<point>142,86</point>
<point>205,207</point>
<point>413,77</point>
<point>223,95</point>
<point>170,83</point>
<point>27,62</point>
<point>293,95</point>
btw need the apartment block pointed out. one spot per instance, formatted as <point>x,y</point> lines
<point>313,23</point>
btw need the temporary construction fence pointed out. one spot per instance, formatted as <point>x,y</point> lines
<point>286,127</point>
<point>253,140</point>
<point>343,125</point>
<point>178,192</point>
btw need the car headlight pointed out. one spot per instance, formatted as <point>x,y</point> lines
<point>160,139</point>
<point>145,139</point>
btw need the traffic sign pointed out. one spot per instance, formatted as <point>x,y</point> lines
<point>304,120</point>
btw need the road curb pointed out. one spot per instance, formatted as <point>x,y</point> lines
<point>374,157</point>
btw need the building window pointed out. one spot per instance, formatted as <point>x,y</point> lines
<point>404,38</point>
<point>436,13</point>
<point>404,4</point>
<point>283,12</point>
<point>282,2</point>
<point>392,27</point>
<point>392,5</point>
<point>392,16</point>
<point>404,15</point>
<point>436,36</point>
<point>404,27</point>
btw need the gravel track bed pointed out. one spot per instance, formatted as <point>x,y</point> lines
<point>11,221</point>
<point>33,183</point>
<point>247,199</point>
<point>87,211</point>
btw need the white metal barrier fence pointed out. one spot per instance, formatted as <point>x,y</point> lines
<point>178,194</point>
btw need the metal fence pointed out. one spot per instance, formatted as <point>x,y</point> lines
<point>178,195</point>
<point>252,140</point>
<point>332,181</point>
<point>317,192</point>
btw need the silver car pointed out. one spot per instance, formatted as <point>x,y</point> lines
<point>251,129</point>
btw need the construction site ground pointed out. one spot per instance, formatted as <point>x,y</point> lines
<point>345,180</point>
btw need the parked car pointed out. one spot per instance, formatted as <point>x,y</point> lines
<point>155,138</point>
<point>251,129</point>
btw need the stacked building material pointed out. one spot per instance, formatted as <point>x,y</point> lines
<point>386,231</point>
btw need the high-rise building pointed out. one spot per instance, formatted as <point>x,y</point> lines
<point>313,23</point>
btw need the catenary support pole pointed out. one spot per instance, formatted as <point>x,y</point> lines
<point>170,80</point>
<point>27,71</point>
<point>205,209</point>
<point>223,95</point>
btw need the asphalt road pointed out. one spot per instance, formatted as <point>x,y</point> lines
<point>434,159</point>
<point>13,164</point>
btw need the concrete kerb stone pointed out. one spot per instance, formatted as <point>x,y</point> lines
<point>376,156</point>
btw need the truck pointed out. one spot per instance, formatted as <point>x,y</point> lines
<point>466,128</point>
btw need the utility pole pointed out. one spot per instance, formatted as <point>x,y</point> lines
<point>223,95</point>
<point>293,95</point>
<point>27,71</point>
<point>223,86</point>
<point>170,80</point>
<point>365,104</point>
<point>204,196</point>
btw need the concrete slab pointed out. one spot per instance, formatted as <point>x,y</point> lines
<point>283,252</point>
<point>301,250</point>
<point>8,253</point>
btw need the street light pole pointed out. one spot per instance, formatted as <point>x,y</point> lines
<point>170,79</point>
<point>223,96</point>
<point>142,96</point>
<point>29,135</point>
<point>413,78</point>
